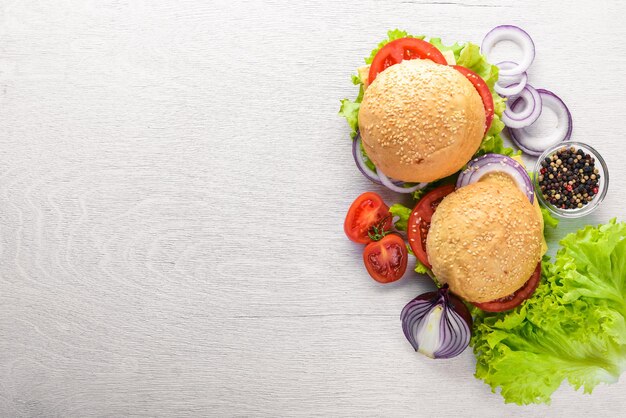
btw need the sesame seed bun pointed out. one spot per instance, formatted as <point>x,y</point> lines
<point>421,121</point>
<point>484,241</point>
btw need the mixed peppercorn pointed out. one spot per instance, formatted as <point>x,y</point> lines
<point>568,178</point>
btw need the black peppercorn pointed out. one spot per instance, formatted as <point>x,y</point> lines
<point>568,178</point>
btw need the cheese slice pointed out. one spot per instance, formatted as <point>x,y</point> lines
<point>364,75</point>
<point>449,56</point>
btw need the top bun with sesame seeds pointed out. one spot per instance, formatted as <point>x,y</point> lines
<point>421,121</point>
<point>485,241</point>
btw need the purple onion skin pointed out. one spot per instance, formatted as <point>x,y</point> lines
<point>371,176</point>
<point>532,51</point>
<point>567,111</point>
<point>517,138</point>
<point>508,117</point>
<point>456,303</point>
<point>481,161</point>
<point>355,149</point>
<point>454,327</point>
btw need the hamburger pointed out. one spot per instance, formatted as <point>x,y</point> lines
<point>421,121</point>
<point>486,242</point>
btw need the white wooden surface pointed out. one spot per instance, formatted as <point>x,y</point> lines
<point>173,181</point>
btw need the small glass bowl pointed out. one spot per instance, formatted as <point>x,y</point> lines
<point>603,184</point>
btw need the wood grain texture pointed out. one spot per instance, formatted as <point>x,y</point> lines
<point>173,178</point>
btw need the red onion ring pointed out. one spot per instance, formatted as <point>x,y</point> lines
<point>496,163</point>
<point>511,89</point>
<point>367,172</point>
<point>507,65</point>
<point>510,85</point>
<point>378,177</point>
<point>387,182</point>
<point>529,114</point>
<point>513,34</point>
<point>533,145</point>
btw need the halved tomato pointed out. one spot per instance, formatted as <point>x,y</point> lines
<point>368,210</point>
<point>419,221</point>
<point>511,301</point>
<point>403,49</point>
<point>483,90</point>
<point>386,260</point>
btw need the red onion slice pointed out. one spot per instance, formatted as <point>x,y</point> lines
<point>511,89</point>
<point>510,85</point>
<point>388,183</point>
<point>367,172</point>
<point>496,163</point>
<point>513,34</point>
<point>507,65</point>
<point>379,177</point>
<point>535,145</point>
<point>528,114</point>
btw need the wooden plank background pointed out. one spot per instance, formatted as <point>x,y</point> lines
<point>173,181</point>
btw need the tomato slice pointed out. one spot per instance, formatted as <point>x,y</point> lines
<point>511,301</point>
<point>386,260</point>
<point>419,221</point>
<point>403,49</point>
<point>482,89</point>
<point>366,211</point>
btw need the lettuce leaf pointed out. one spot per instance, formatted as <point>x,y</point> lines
<point>421,268</point>
<point>418,194</point>
<point>470,57</point>
<point>456,48</point>
<point>350,111</point>
<point>573,328</point>
<point>548,219</point>
<point>492,142</point>
<point>403,213</point>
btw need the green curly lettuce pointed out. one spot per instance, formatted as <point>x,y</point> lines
<point>350,111</point>
<point>420,268</point>
<point>573,328</point>
<point>548,219</point>
<point>403,213</point>
<point>456,48</point>
<point>418,194</point>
